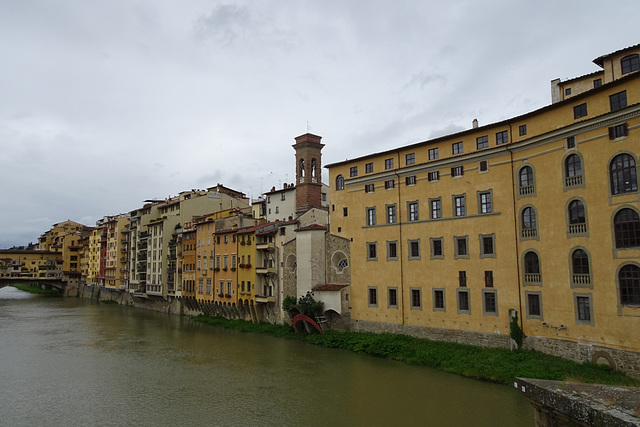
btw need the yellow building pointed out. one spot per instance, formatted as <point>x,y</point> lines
<point>30,264</point>
<point>538,214</point>
<point>93,255</point>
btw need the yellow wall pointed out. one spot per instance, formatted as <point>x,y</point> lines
<point>544,149</point>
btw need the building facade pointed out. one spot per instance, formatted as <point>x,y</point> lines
<point>538,214</point>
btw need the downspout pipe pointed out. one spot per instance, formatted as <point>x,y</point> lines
<point>515,227</point>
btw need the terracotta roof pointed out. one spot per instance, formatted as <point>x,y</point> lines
<point>312,227</point>
<point>599,60</point>
<point>329,287</point>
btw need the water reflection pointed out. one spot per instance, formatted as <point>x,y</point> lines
<point>71,362</point>
<point>9,292</point>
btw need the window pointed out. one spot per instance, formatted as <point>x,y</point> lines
<point>457,171</point>
<point>438,300</point>
<point>353,171</point>
<point>623,174</point>
<point>583,309</point>
<point>630,63</point>
<point>483,166</point>
<point>368,188</point>
<point>629,282</point>
<point>345,211</point>
<point>573,171</point>
<point>534,305</point>
<point>522,130</point>
<point>597,83</point>
<point>433,176</point>
<point>580,110</point>
<point>416,299</point>
<point>371,216</point>
<point>456,148</point>
<point>482,142</point>
<point>392,250</point>
<point>618,131</point>
<point>581,276</point>
<point>463,301</point>
<point>436,208</point>
<point>389,184</point>
<point>372,251</point>
<point>488,279</point>
<point>414,249</point>
<point>410,180</point>
<point>410,159</point>
<point>529,223</point>
<point>436,248</point>
<point>487,246</point>
<point>391,214</point>
<point>412,210</point>
<point>502,137</point>
<point>532,269</point>
<point>368,168</point>
<point>373,297</point>
<point>462,279</point>
<point>388,164</point>
<point>526,184</point>
<point>484,202</point>
<point>567,91</point>
<point>618,101</point>
<point>393,297</point>
<point>571,142</point>
<point>459,206</point>
<point>461,247</point>
<point>577,218</point>
<point>433,154</point>
<point>489,303</point>
<point>626,226</point>
<point>200,285</point>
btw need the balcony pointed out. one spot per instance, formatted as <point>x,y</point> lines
<point>265,270</point>
<point>266,246</point>
<point>265,299</point>
<point>582,279</point>
<point>573,181</point>
<point>526,190</point>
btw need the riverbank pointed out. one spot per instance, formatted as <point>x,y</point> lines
<point>491,364</point>
<point>34,290</point>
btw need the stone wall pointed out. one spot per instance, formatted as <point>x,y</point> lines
<point>333,245</point>
<point>437,334</point>
<point>625,361</point>
<point>290,278</point>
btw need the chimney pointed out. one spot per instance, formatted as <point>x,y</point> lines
<point>474,123</point>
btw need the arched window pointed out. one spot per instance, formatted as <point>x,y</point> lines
<point>630,63</point>
<point>623,174</point>
<point>314,167</point>
<point>529,223</point>
<point>339,261</point>
<point>626,225</point>
<point>526,181</point>
<point>577,218</point>
<point>572,171</point>
<point>339,182</point>
<point>292,262</point>
<point>532,268</point>
<point>629,282</point>
<point>301,170</point>
<point>580,268</point>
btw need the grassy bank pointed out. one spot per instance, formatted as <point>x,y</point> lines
<point>492,364</point>
<point>34,290</point>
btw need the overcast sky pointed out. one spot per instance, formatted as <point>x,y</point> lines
<point>106,104</point>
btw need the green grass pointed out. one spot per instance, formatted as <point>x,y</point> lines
<point>492,364</point>
<point>35,290</point>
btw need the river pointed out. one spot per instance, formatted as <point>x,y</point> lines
<point>71,362</point>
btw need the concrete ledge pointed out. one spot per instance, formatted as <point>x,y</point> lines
<point>559,403</point>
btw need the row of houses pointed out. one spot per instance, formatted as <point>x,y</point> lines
<point>536,216</point>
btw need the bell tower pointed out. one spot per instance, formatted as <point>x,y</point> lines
<point>308,172</point>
